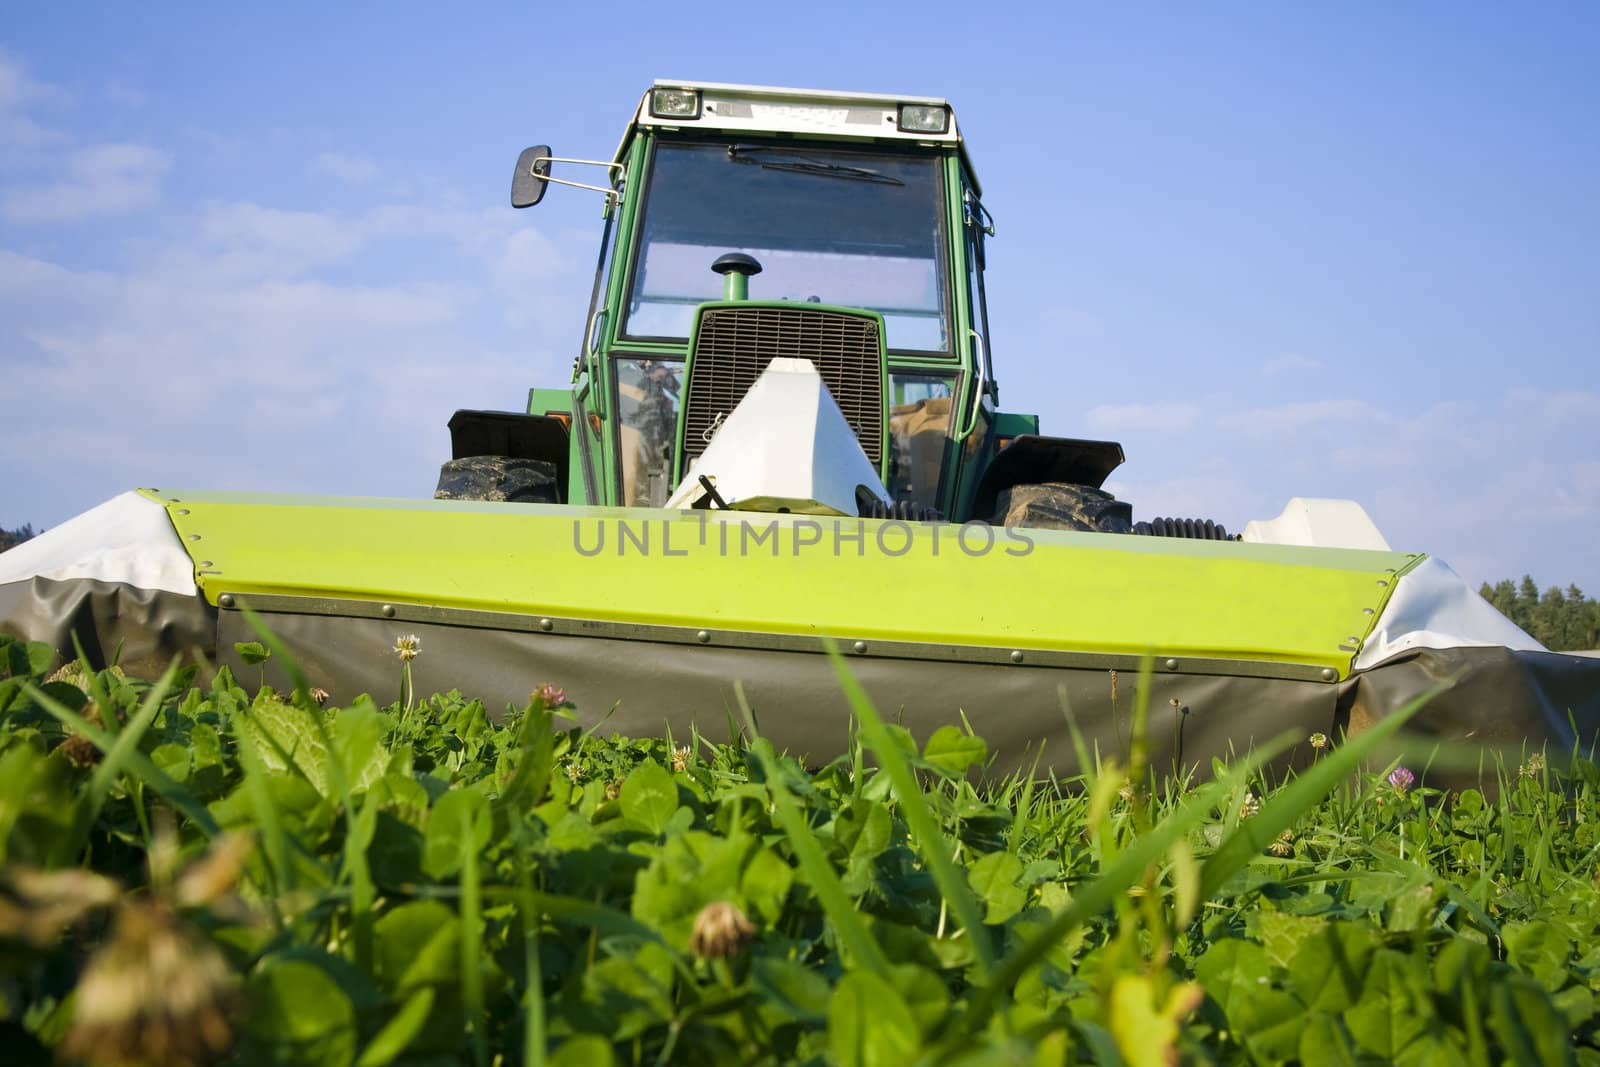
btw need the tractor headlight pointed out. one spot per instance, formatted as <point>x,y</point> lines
<point>674,104</point>
<point>924,118</point>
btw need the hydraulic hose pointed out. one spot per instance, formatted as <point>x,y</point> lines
<point>905,510</point>
<point>1194,529</point>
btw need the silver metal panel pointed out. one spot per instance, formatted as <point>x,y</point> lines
<point>733,345</point>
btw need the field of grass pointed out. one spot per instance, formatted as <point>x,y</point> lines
<point>199,870</point>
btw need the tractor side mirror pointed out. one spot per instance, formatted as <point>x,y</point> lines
<point>528,181</point>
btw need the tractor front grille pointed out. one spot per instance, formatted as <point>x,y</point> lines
<point>735,344</point>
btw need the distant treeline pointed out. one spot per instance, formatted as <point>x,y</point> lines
<point>1561,621</point>
<point>15,537</point>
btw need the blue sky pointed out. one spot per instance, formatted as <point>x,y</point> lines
<point>1342,250</point>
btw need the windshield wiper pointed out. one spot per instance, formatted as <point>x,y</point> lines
<point>742,153</point>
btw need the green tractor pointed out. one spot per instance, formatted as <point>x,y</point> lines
<point>782,441</point>
<point>745,224</point>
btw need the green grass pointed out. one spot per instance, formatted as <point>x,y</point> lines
<point>446,886</point>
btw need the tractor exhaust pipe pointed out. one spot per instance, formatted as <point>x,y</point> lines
<point>736,269</point>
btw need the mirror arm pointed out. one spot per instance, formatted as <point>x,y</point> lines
<point>614,194</point>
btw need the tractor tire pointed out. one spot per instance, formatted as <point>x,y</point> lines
<point>516,481</point>
<point>1060,506</point>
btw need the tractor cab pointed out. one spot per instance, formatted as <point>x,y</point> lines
<point>745,225</point>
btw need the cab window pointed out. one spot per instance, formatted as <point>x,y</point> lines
<point>647,409</point>
<point>919,429</point>
<point>851,229</point>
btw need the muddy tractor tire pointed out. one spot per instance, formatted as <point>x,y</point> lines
<point>516,481</point>
<point>1060,506</point>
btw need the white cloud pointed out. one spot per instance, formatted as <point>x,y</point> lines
<point>66,183</point>
<point>108,179</point>
<point>1496,487</point>
<point>1553,407</point>
<point>237,353</point>
<point>249,241</point>
<point>1201,495</point>
<point>353,170</point>
<point>1299,415</point>
<point>1147,418</point>
<point>1586,480</point>
<point>19,132</point>
<point>1289,361</point>
<point>18,88</point>
<point>261,384</point>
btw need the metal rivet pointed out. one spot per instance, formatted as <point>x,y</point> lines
<point>703,636</point>
<point>1172,664</point>
<point>226,600</point>
<point>1353,639</point>
<point>1016,657</point>
<point>1329,674</point>
<point>194,537</point>
<point>388,611</point>
<point>860,646</point>
<point>1368,611</point>
<point>183,511</point>
<point>1382,584</point>
<point>546,625</point>
<point>207,563</point>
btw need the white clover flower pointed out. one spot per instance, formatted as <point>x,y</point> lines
<point>408,647</point>
<point>720,930</point>
<point>1250,806</point>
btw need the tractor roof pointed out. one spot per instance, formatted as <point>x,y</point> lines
<point>823,114</point>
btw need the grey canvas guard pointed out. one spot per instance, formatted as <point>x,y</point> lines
<point>796,696</point>
<point>142,629</point>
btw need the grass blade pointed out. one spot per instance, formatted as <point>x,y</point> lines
<point>280,651</point>
<point>930,839</point>
<point>1099,895</point>
<point>137,762</point>
<point>266,811</point>
<point>127,742</point>
<point>358,837</point>
<point>533,1022</point>
<point>1254,834</point>
<point>401,1029</point>
<point>359,826</point>
<point>471,942</point>
<point>574,911</point>
<point>840,909</point>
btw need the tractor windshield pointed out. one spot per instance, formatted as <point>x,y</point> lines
<point>852,229</point>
